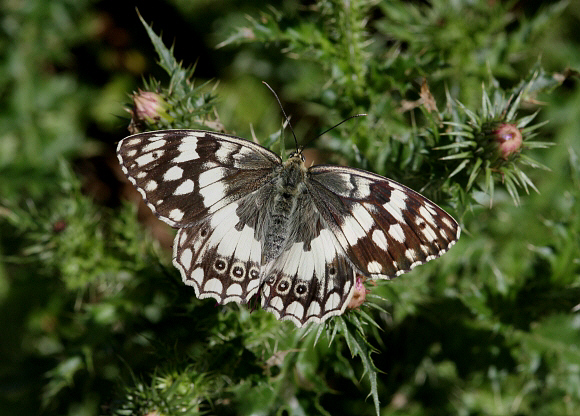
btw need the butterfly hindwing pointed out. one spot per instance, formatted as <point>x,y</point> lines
<point>220,256</point>
<point>185,175</point>
<point>385,228</point>
<point>310,281</point>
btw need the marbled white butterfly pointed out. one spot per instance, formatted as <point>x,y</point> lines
<point>251,223</point>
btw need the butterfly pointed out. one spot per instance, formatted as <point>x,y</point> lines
<point>250,223</point>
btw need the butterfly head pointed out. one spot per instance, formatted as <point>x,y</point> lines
<point>298,155</point>
<point>295,163</point>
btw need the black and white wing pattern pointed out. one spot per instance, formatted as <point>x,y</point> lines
<point>196,181</point>
<point>186,175</point>
<point>250,224</point>
<point>351,222</point>
<point>385,228</point>
<point>312,279</point>
<point>220,257</point>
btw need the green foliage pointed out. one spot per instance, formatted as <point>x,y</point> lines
<point>95,318</point>
<point>184,105</point>
<point>477,140</point>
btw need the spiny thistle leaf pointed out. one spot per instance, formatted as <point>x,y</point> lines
<point>359,346</point>
<point>167,61</point>
<point>180,105</point>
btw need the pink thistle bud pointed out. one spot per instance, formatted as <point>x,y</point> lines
<point>148,106</point>
<point>59,226</point>
<point>359,295</point>
<point>509,139</point>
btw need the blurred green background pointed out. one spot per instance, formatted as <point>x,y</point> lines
<point>95,320</point>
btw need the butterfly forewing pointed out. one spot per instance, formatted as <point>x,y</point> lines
<point>385,228</point>
<point>185,175</point>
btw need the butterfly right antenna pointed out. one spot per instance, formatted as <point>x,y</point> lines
<point>335,126</point>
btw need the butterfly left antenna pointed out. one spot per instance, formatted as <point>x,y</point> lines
<point>283,112</point>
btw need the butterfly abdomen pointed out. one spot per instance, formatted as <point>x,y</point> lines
<point>289,184</point>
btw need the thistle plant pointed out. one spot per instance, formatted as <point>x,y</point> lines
<point>97,321</point>
<point>492,144</point>
<point>180,105</point>
<point>458,149</point>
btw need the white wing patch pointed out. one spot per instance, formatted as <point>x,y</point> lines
<point>185,188</point>
<point>213,193</point>
<point>211,176</point>
<point>187,151</point>
<point>380,239</point>
<point>174,173</point>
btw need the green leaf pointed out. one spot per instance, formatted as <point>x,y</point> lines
<point>459,168</point>
<point>457,145</point>
<point>461,155</point>
<point>474,173</point>
<point>167,61</point>
<point>511,184</point>
<point>524,121</point>
<point>537,145</point>
<point>533,163</point>
<point>359,346</point>
<point>525,180</point>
